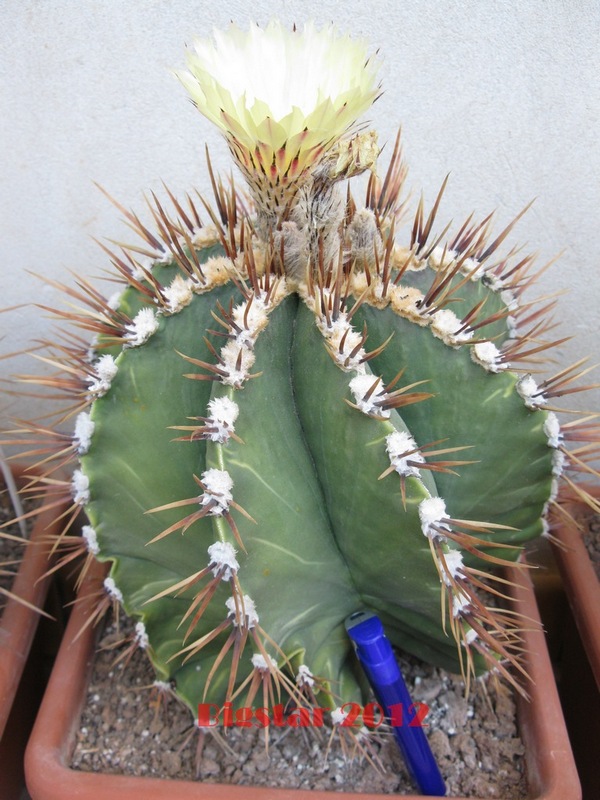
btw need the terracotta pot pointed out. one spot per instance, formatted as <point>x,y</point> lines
<point>21,683</point>
<point>579,578</point>
<point>579,655</point>
<point>550,766</point>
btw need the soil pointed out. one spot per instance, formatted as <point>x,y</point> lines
<point>130,727</point>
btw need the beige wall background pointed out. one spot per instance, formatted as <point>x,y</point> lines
<point>504,95</point>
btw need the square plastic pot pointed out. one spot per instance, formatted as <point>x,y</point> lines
<point>551,771</point>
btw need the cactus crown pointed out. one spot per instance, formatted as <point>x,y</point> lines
<point>288,413</point>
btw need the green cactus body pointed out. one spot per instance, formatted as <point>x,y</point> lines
<point>318,534</point>
<point>253,474</point>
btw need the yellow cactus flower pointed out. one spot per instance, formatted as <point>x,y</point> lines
<point>283,98</point>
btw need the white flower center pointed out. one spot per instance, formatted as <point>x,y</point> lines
<point>277,73</point>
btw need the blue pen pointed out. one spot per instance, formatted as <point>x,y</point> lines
<point>377,659</point>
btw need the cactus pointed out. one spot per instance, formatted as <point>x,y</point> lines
<point>290,412</point>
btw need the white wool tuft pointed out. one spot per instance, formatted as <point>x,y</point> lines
<point>487,355</point>
<point>460,602</point>
<point>304,676</point>
<point>217,489</point>
<point>80,488</point>
<point>360,386</point>
<point>529,391</point>
<point>105,370</point>
<point>111,588</point>
<point>445,322</point>
<point>454,565</point>
<point>178,294</point>
<point>338,716</point>
<point>397,445</point>
<point>223,414</point>
<point>224,410</point>
<point>432,512</point>
<point>494,281</point>
<point>445,325</point>
<point>442,257</point>
<point>82,436</point>
<point>472,267</point>
<point>470,636</point>
<point>141,637</point>
<point>509,299</point>
<point>552,430</point>
<point>223,560</point>
<point>91,540</point>
<point>334,334</point>
<point>137,270</point>
<point>249,611</point>
<point>545,528</point>
<point>114,300</point>
<point>554,489</point>
<point>144,324</point>
<point>558,463</point>
<point>230,355</point>
<point>251,320</point>
<point>259,662</point>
